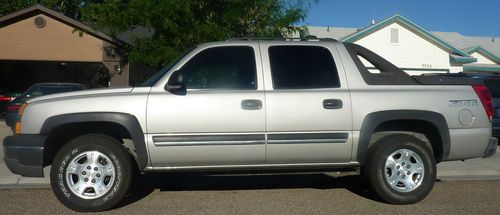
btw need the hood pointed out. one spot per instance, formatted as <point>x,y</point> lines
<point>82,93</point>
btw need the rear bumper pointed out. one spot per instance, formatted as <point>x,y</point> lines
<point>492,148</point>
<point>24,154</point>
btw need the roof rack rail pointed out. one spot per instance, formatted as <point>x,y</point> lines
<point>306,38</point>
<point>255,38</point>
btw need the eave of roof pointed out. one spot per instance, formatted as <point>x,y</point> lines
<point>462,59</point>
<point>400,19</point>
<point>481,67</point>
<point>60,17</point>
<point>484,52</point>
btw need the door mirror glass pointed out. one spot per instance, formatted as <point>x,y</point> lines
<point>175,84</point>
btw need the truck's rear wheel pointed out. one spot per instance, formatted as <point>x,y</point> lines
<point>401,169</point>
<point>91,173</point>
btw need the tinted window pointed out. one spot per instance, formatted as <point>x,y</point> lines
<point>231,67</point>
<point>302,67</point>
<point>40,90</point>
<point>158,75</point>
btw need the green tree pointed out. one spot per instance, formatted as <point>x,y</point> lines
<point>178,25</point>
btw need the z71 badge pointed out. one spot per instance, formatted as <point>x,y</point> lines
<point>463,103</point>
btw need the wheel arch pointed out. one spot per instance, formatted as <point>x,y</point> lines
<point>411,121</point>
<point>114,122</point>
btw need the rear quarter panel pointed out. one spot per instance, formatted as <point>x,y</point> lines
<point>467,141</point>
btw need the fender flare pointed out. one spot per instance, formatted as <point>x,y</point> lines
<point>128,121</point>
<point>374,119</point>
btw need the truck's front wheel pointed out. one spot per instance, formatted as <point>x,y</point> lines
<point>91,173</point>
<point>401,169</point>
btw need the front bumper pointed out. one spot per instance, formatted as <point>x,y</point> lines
<point>24,154</point>
<point>492,148</point>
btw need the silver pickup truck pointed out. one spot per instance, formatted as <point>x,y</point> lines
<point>256,105</point>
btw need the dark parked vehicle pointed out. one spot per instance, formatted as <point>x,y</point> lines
<point>492,82</point>
<point>36,90</point>
<point>5,99</point>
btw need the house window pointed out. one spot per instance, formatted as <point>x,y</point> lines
<point>394,35</point>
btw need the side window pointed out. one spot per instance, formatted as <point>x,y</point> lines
<point>229,67</point>
<point>302,67</point>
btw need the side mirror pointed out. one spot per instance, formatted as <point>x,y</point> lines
<point>175,84</point>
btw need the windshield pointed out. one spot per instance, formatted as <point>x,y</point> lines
<point>158,75</point>
<point>41,90</point>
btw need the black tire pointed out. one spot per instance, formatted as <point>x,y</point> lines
<point>116,187</point>
<point>376,171</point>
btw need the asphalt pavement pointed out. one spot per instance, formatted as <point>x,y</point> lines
<point>273,194</point>
<point>474,169</point>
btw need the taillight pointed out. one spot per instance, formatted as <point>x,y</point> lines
<point>5,98</point>
<point>13,107</point>
<point>485,95</point>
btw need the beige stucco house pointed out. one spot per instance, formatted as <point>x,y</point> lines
<point>41,45</point>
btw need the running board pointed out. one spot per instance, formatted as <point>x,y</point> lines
<point>303,167</point>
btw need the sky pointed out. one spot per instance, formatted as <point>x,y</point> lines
<point>468,17</point>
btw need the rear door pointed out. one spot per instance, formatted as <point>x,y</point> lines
<point>308,107</point>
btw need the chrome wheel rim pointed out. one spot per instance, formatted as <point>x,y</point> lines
<point>90,175</point>
<point>404,170</point>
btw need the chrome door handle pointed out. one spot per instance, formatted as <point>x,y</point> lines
<point>251,104</point>
<point>332,104</point>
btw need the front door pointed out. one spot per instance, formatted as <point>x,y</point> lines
<point>220,120</point>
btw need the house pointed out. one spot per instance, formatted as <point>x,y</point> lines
<point>42,45</point>
<point>38,44</point>
<point>417,50</point>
